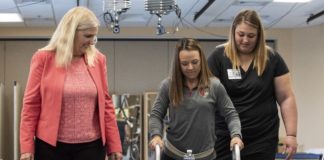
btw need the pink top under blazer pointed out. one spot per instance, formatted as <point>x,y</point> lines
<point>42,102</point>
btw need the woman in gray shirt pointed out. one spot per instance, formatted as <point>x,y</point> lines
<point>192,96</point>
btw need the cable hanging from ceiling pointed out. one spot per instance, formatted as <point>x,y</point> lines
<point>160,8</point>
<point>114,8</point>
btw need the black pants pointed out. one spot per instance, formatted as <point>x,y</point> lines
<point>65,151</point>
<point>166,157</point>
<point>265,150</point>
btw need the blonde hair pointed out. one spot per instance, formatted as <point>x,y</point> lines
<point>177,77</point>
<point>62,41</point>
<point>251,18</point>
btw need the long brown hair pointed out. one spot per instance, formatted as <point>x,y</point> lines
<point>251,18</point>
<point>177,77</point>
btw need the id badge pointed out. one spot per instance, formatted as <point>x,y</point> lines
<point>234,74</point>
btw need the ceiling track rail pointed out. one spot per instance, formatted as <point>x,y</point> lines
<point>203,9</point>
<point>314,16</point>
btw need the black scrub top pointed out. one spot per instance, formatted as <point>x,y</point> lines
<point>253,96</point>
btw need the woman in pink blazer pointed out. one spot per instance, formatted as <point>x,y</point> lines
<point>67,111</point>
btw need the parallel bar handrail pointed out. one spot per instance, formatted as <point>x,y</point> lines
<point>1,118</point>
<point>236,153</point>
<point>157,152</point>
<point>15,120</point>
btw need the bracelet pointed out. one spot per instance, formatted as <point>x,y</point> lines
<point>237,135</point>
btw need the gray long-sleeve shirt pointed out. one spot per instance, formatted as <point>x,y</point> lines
<point>192,124</point>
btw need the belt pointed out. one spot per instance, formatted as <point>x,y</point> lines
<point>179,153</point>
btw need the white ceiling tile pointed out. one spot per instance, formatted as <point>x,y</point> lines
<point>8,6</point>
<point>219,14</point>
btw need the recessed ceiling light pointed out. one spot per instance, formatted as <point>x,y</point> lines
<point>10,17</point>
<point>292,1</point>
<point>252,2</point>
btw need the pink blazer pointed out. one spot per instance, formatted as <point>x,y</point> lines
<point>42,101</point>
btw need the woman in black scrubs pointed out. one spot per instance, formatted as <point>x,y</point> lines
<point>256,79</point>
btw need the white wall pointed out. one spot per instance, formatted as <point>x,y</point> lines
<point>302,49</point>
<point>133,67</point>
<point>308,77</point>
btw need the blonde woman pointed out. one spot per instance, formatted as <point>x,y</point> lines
<point>256,78</point>
<point>67,112</point>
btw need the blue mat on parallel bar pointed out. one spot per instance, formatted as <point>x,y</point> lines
<point>304,156</point>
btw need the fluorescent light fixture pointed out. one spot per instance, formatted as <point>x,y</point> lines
<point>252,2</point>
<point>10,17</point>
<point>292,1</point>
